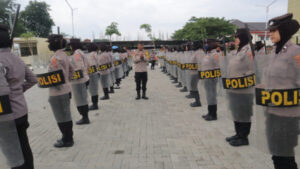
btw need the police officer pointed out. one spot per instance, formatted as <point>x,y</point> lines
<point>93,75</point>
<point>80,80</point>
<point>282,72</point>
<point>59,95</point>
<point>15,79</point>
<point>119,73</point>
<point>112,70</point>
<point>210,62</point>
<point>141,76</point>
<point>241,100</point>
<point>103,62</point>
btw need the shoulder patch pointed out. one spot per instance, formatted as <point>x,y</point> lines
<point>297,59</point>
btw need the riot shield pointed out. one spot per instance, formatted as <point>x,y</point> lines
<point>238,79</point>
<point>188,70</point>
<point>209,75</point>
<point>277,105</point>
<point>179,63</point>
<point>193,71</point>
<point>11,154</point>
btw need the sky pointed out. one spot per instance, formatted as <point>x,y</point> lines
<point>91,17</point>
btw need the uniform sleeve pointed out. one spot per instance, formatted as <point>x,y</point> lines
<point>30,79</point>
<point>4,86</point>
<point>71,68</point>
<point>297,69</point>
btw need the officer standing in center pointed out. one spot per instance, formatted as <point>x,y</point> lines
<point>141,76</point>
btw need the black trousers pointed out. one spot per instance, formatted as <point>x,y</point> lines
<point>141,79</point>
<point>152,64</point>
<point>22,126</point>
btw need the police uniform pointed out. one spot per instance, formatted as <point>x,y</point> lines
<point>141,75</point>
<point>241,65</point>
<point>280,75</point>
<point>93,77</point>
<point>103,62</point>
<point>59,95</point>
<point>15,79</point>
<point>210,62</point>
<point>79,84</point>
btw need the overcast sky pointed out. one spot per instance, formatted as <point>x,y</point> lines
<point>166,16</point>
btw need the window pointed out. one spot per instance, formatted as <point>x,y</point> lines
<point>25,51</point>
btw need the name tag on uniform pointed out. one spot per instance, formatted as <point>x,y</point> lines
<point>278,98</point>
<point>51,79</point>
<point>78,74</point>
<point>103,67</point>
<point>239,83</point>
<point>5,107</point>
<point>192,66</point>
<point>210,74</point>
<point>92,70</point>
<point>117,63</point>
<point>182,66</point>
<point>178,65</point>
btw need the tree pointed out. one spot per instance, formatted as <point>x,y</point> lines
<point>8,7</point>
<point>37,19</point>
<point>28,39</point>
<point>203,28</point>
<point>111,30</point>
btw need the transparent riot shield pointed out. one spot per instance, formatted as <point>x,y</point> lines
<point>193,71</point>
<point>209,75</point>
<point>238,79</point>
<point>11,154</point>
<point>277,105</point>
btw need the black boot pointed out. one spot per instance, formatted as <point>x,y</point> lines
<point>190,96</point>
<point>138,95</point>
<point>197,102</point>
<point>228,139</point>
<point>95,103</point>
<point>84,111</point>
<point>284,162</point>
<point>242,135</point>
<point>106,94</point>
<point>212,113</point>
<point>184,89</point>
<point>179,85</point>
<point>66,129</point>
<point>144,96</point>
<point>175,80</point>
<point>112,89</point>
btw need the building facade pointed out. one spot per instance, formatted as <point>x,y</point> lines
<point>257,30</point>
<point>33,51</point>
<point>294,7</point>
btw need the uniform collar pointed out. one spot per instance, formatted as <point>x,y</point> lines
<point>286,46</point>
<point>4,49</point>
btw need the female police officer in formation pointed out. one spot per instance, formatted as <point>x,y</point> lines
<point>240,65</point>
<point>15,79</point>
<point>282,73</point>
<point>210,62</point>
<point>103,61</point>
<point>59,96</point>
<point>94,78</point>
<point>79,84</point>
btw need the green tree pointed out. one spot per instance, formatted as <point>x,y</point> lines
<point>37,19</point>
<point>148,30</point>
<point>8,7</point>
<point>202,28</point>
<point>28,37</point>
<point>111,30</point>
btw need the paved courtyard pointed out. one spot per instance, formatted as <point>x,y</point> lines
<point>162,133</point>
